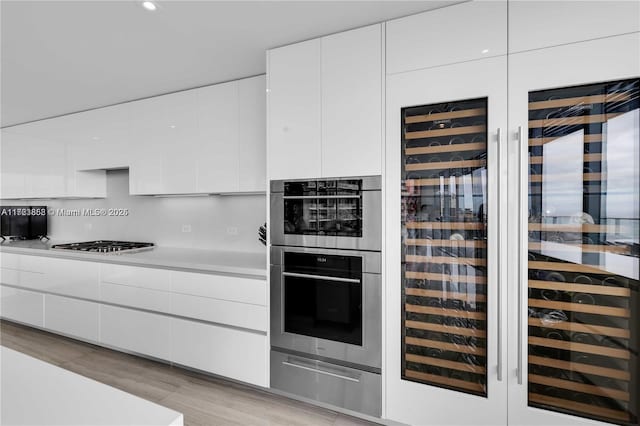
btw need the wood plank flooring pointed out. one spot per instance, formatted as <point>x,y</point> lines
<point>204,400</point>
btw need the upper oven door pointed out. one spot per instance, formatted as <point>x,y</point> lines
<point>333,213</point>
<point>327,303</point>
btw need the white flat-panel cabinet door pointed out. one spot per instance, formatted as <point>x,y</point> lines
<point>445,299</point>
<point>180,140</point>
<point>22,305</point>
<point>574,156</point>
<point>536,24</point>
<point>252,128</point>
<point>352,103</point>
<point>462,32</point>
<point>73,317</point>
<point>217,152</point>
<point>294,111</point>
<point>147,130</point>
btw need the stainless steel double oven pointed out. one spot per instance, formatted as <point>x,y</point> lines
<point>326,291</point>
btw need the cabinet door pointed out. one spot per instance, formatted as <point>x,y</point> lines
<point>72,317</point>
<point>34,164</point>
<point>574,268</point>
<point>294,111</point>
<point>104,138</point>
<point>22,305</point>
<point>136,331</point>
<point>147,130</point>
<point>537,24</point>
<point>352,103</point>
<point>252,128</point>
<point>165,131</point>
<point>217,151</point>
<point>445,334</point>
<point>236,354</point>
<point>462,32</point>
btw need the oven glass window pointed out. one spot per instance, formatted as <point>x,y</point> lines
<point>324,208</point>
<point>323,297</point>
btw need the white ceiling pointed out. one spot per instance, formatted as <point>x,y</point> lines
<point>60,57</point>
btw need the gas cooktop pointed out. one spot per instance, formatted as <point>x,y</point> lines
<point>105,246</point>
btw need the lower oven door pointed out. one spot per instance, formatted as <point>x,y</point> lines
<point>324,316</point>
<point>344,387</point>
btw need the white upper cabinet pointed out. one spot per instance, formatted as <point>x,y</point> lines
<point>325,106</point>
<point>294,110</point>
<point>100,137</point>
<point>352,102</point>
<point>217,156</point>
<point>37,163</point>
<point>458,33</point>
<point>538,24</point>
<point>252,129</point>
<point>193,141</point>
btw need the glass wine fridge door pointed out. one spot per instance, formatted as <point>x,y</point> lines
<point>584,250</point>
<point>444,250</point>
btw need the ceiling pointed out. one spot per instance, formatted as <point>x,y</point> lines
<point>60,57</point>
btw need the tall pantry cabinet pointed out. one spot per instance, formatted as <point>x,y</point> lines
<point>513,244</point>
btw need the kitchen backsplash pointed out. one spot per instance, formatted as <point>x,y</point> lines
<point>210,222</point>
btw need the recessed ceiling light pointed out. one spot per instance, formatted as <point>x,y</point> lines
<point>149,5</point>
<point>173,126</point>
<point>485,51</point>
<point>95,138</point>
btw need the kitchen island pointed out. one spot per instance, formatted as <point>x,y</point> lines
<point>33,392</point>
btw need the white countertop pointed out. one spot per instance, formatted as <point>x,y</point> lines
<point>249,264</point>
<point>33,392</point>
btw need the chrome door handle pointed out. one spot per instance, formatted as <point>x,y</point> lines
<point>319,371</point>
<point>320,277</point>
<point>498,247</point>
<point>521,242</point>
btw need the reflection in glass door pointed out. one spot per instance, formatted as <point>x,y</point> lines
<point>584,250</point>
<point>444,218</point>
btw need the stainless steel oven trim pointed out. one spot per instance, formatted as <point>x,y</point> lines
<point>371,220</point>
<point>370,353</point>
<point>369,183</point>
<point>372,260</point>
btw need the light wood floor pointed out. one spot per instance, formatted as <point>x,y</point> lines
<point>202,399</point>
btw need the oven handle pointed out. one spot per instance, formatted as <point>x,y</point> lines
<point>307,197</point>
<point>320,277</point>
<point>319,371</point>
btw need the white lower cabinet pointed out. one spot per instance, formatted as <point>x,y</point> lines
<point>240,355</point>
<point>135,297</point>
<point>136,331</point>
<point>73,317</point>
<point>220,311</point>
<point>22,305</point>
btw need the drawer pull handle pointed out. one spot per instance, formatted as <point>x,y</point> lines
<point>320,277</point>
<point>316,370</point>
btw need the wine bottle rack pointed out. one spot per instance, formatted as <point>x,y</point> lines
<point>583,266</point>
<point>444,245</point>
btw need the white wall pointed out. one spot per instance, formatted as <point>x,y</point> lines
<point>160,220</point>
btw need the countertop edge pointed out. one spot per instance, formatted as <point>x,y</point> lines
<point>212,269</point>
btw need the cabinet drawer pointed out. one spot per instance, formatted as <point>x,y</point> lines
<point>9,261</point>
<point>22,305</point>
<point>220,311</point>
<point>154,279</point>
<point>244,290</point>
<point>63,276</point>
<point>333,384</point>
<point>135,297</point>
<point>231,353</point>
<point>135,331</point>
<point>72,317</point>
<point>9,276</point>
